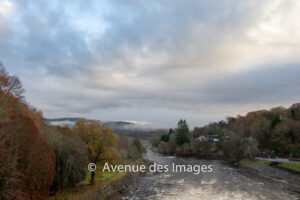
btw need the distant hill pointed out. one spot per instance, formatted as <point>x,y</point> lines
<point>120,127</point>
<point>70,121</point>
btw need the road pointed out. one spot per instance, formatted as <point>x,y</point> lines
<point>278,160</point>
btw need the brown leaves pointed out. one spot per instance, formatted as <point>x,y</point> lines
<point>28,166</point>
<point>26,160</point>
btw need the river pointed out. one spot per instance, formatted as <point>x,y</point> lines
<point>224,182</point>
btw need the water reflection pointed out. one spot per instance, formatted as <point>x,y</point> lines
<point>224,182</point>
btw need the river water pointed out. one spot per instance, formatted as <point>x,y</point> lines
<point>224,182</point>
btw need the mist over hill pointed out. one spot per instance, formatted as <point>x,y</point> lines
<point>127,128</point>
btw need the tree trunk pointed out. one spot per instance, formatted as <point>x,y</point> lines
<point>92,178</point>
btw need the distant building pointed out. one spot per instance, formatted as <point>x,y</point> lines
<point>212,139</point>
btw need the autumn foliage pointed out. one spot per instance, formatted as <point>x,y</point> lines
<point>26,160</point>
<point>100,140</point>
<point>28,165</point>
<point>38,159</point>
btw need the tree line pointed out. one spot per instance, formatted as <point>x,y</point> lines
<point>269,133</point>
<point>38,159</point>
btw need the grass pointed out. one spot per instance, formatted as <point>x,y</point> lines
<point>103,176</point>
<point>84,187</point>
<point>155,149</point>
<point>262,162</point>
<point>243,164</point>
<point>291,166</point>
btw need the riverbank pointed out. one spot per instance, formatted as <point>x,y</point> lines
<point>186,154</point>
<point>111,185</point>
<point>292,167</point>
<point>114,189</point>
<point>271,170</point>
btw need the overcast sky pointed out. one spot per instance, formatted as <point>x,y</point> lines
<point>153,61</point>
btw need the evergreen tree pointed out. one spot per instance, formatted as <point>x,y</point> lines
<point>137,143</point>
<point>182,132</point>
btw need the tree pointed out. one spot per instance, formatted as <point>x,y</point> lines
<point>285,136</point>
<point>276,120</point>
<point>135,148</point>
<point>230,120</point>
<point>163,147</point>
<point>28,170</point>
<point>26,160</point>
<point>165,137</point>
<point>295,150</point>
<point>134,153</point>
<point>182,132</point>
<point>71,157</point>
<point>172,144</point>
<point>123,146</point>
<point>280,139</point>
<point>232,147</point>
<point>100,139</point>
<point>137,143</point>
<point>3,78</point>
<point>250,147</point>
<point>200,146</point>
<point>295,111</point>
<point>10,84</point>
<point>155,138</point>
<point>260,130</point>
<point>15,87</point>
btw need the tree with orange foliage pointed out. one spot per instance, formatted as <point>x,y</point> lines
<point>27,167</point>
<point>26,160</point>
<point>100,139</point>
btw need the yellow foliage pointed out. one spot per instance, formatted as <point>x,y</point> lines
<point>100,139</point>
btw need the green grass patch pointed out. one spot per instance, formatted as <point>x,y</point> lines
<point>101,178</point>
<point>292,166</point>
<point>104,176</point>
<point>262,162</point>
<point>155,149</point>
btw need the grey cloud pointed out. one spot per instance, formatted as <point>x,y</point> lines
<point>265,84</point>
<point>142,55</point>
<point>44,37</point>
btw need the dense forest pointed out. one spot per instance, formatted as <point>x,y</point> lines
<point>38,159</point>
<point>269,133</point>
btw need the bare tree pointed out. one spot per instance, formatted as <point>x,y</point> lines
<point>10,84</point>
<point>15,87</point>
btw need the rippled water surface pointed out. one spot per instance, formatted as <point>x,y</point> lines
<point>225,182</point>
